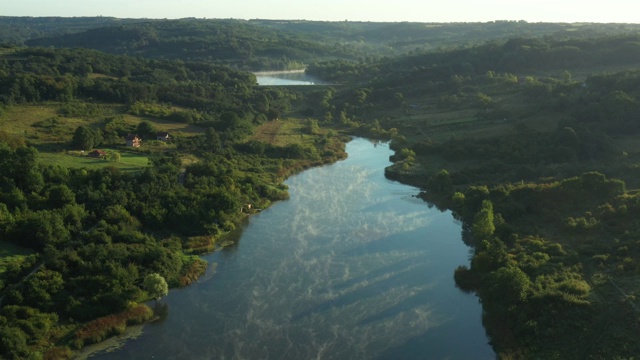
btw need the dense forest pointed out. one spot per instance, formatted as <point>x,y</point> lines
<point>278,45</point>
<point>527,132</point>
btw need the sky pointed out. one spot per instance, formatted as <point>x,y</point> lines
<point>602,11</point>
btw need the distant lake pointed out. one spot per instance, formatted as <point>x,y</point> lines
<point>352,266</point>
<point>286,78</point>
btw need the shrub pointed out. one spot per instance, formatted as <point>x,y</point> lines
<point>192,270</point>
<point>107,326</point>
<point>200,244</point>
<point>58,353</point>
<point>575,287</point>
<point>465,278</point>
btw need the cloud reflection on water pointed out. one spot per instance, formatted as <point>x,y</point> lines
<point>350,267</point>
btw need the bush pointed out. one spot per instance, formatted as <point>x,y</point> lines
<point>58,353</point>
<point>200,244</point>
<point>465,278</point>
<point>575,287</point>
<point>13,343</point>
<point>107,326</point>
<point>192,270</point>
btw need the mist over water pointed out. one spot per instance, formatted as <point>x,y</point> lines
<point>286,78</point>
<point>352,266</point>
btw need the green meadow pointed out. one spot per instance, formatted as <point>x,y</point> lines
<point>129,161</point>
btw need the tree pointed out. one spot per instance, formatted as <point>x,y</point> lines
<point>399,99</point>
<point>328,117</point>
<point>146,130</point>
<point>407,155</point>
<point>212,140</point>
<point>312,126</point>
<point>115,156</point>
<point>60,195</point>
<point>441,182</point>
<point>509,285</point>
<point>86,138</point>
<point>569,138</point>
<point>13,342</point>
<point>156,285</point>
<point>41,228</point>
<point>483,226</point>
<point>484,100</point>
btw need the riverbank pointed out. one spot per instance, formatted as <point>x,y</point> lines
<point>546,262</point>
<point>333,150</point>
<point>350,258</point>
<point>278,72</point>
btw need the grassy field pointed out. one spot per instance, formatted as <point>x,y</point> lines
<point>435,121</point>
<point>284,132</point>
<point>51,133</point>
<point>129,161</point>
<point>171,127</point>
<point>39,123</point>
<point>43,125</point>
<point>427,118</point>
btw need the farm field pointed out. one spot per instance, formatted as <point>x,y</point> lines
<point>43,126</point>
<point>285,132</point>
<point>129,161</point>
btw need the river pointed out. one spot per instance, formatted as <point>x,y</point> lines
<point>286,78</point>
<point>352,266</point>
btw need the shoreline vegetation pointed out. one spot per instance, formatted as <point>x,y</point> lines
<point>529,133</point>
<point>111,332</point>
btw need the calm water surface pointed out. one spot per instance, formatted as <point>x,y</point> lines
<point>351,267</point>
<point>286,79</point>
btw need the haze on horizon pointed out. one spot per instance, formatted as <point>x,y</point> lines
<point>568,11</point>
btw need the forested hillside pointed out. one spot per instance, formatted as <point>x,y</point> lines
<point>279,45</point>
<point>233,42</point>
<point>519,56</point>
<point>16,30</point>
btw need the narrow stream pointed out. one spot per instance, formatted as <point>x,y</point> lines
<point>353,266</point>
